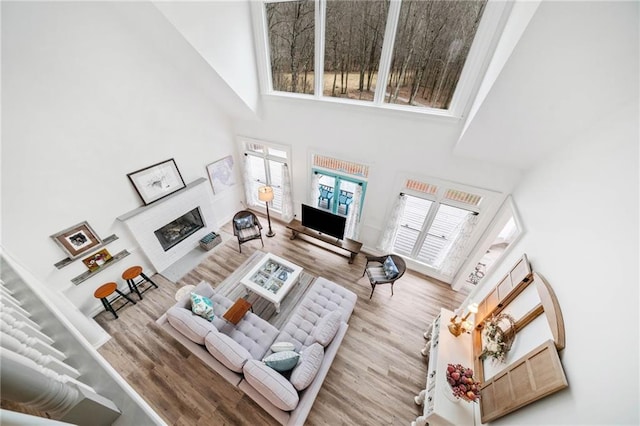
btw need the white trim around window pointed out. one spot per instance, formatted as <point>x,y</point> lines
<point>493,21</point>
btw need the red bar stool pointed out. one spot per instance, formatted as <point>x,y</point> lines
<point>131,274</point>
<point>104,291</point>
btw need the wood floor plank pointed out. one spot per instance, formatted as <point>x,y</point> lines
<point>373,379</point>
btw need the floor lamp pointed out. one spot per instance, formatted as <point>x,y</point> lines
<point>265,193</point>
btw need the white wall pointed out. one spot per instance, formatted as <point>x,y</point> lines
<point>574,61</point>
<point>392,143</point>
<point>580,213</point>
<point>205,25</point>
<point>88,96</point>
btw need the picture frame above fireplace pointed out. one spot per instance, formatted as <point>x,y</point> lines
<point>157,181</point>
<point>77,239</point>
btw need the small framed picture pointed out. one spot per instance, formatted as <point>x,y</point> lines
<point>76,240</point>
<point>96,260</point>
<point>157,181</point>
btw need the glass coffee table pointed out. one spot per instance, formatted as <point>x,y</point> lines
<point>272,278</point>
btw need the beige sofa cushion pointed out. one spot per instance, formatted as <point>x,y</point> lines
<point>271,384</point>
<point>194,327</point>
<point>327,327</point>
<point>309,365</point>
<point>227,351</point>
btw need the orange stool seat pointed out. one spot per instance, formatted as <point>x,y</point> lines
<point>104,291</point>
<point>130,274</point>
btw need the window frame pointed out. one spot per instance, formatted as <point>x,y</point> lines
<point>430,217</point>
<point>338,178</point>
<point>486,209</point>
<point>266,157</point>
<point>485,41</point>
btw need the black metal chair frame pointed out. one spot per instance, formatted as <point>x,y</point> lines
<point>134,286</point>
<point>256,223</point>
<point>400,264</point>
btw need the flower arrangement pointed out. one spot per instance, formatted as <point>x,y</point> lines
<point>462,383</point>
<point>496,340</point>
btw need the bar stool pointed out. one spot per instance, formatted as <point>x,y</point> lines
<point>106,290</point>
<point>131,274</point>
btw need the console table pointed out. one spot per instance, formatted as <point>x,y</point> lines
<point>440,407</point>
<point>352,246</point>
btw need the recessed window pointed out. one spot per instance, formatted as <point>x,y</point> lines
<point>410,53</point>
<point>353,39</point>
<point>431,46</point>
<point>291,27</point>
<point>264,165</point>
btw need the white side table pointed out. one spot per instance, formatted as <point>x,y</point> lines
<point>184,291</point>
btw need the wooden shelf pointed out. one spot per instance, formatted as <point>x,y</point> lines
<point>88,274</point>
<point>66,261</point>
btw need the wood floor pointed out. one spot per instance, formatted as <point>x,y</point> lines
<point>377,372</point>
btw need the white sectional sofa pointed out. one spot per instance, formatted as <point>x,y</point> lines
<point>236,351</point>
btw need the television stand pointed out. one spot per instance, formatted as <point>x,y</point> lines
<point>352,246</point>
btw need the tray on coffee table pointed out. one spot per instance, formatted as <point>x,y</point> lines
<point>272,278</point>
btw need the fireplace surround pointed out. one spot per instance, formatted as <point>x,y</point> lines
<point>175,219</point>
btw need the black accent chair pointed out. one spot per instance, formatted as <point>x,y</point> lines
<point>246,227</point>
<point>375,270</point>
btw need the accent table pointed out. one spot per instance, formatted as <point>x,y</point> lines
<point>235,313</point>
<point>272,278</point>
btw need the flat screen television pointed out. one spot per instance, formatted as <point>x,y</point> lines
<point>323,221</point>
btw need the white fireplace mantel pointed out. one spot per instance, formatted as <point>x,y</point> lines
<point>145,220</point>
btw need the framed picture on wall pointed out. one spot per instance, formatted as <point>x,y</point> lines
<point>221,174</point>
<point>96,260</point>
<point>157,181</point>
<point>76,240</point>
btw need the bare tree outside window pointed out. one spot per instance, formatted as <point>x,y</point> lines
<point>353,42</point>
<point>432,43</point>
<point>291,27</point>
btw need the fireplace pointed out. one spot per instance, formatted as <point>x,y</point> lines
<point>179,229</point>
<point>173,217</point>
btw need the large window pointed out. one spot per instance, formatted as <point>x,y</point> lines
<point>354,33</point>
<point>432,43</point>
<point>265,164</point>
<point>405,52</point>
<point>428,230</point>
<point>435,224</point>
<point>291,40</point>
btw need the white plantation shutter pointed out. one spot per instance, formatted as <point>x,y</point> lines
<point>264,165</point>
<point>411,224</point>
<point>436,224</point>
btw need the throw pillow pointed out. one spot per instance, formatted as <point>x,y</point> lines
<point>243,222</point>
<point>282,346</point>
<point>304,373</point>
<point>327,327</point>
<point>202,306</point>
<point>282,361</point>
<point>390,268</point>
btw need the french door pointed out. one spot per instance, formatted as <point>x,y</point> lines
<point>336,193</point>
